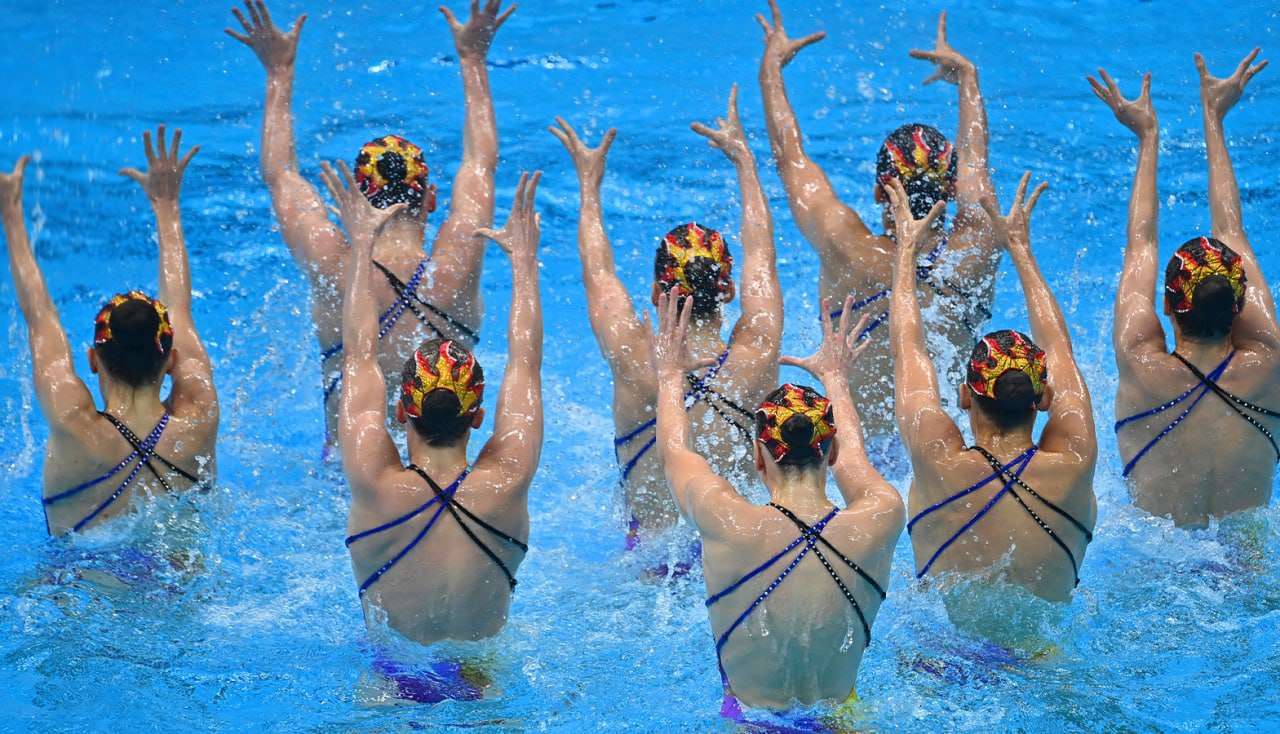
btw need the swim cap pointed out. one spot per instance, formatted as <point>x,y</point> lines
<point>442,371</point>
<point>924,161</point>
<point>102,324</point>
<point>391,170</point>
<point>1002,351</point>
<point>1193,263</point>
<point>687,244</point>
<point>781,406</point>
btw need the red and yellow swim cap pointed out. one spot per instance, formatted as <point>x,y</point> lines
<point>686,244</point>
<point>442,370</point>
<point>1000,352</point>
<point>921,158</point>
<point>1197,260</point>
<point>391,170</point>
<point>783,404</point>
<point>102,324</point>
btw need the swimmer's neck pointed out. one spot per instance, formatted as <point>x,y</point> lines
<point>997,440</point>
<point>402,234</point>
<point>1197,349</point>
<point>441,463</point>
<point>801,492</point>
<point>130,403</point>
<point>704,339</point>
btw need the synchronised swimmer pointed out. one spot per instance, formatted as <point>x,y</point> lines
<point>436,540</point>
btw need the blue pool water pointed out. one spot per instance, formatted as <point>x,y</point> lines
<point>1170,629</point>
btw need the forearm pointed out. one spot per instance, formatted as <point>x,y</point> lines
<point>851,467</point>
<point>175,273</point>
<point>760,276</point>
<point>594,248</point>
<point>809,193</point>
<point>480,131</point>
<point>973,177</point>
<point>1224,193</point>
<point>359,315</point>
<point>524,333</point>
<point>33,296</point>
<point>785,138</point>
<point>1048,327</point>
<point>279,153</point>
<point>914,374</point>
<point>1140,264</point>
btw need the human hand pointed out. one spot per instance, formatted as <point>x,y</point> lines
<point>728,135</point>
<point>362,220</point>
<point>163,179</point>
<point>520,235</point>
<point>839,348</point>
<point>589,162</point>
<point>668,342</point>
<point>473,38</point>
<point>276,49</point>
<point>779,50</point>
<point>1219,95</point>
<point>11,187</point>
<point>1014,230</point>
<point>951,65</point>
<point>909,232</point>
<point>1139,115</point>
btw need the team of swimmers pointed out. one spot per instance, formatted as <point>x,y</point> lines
<point>696,416</point>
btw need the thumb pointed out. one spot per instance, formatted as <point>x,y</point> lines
<point>486,233</point>
<point>792,361</point>
<point>134,174</point>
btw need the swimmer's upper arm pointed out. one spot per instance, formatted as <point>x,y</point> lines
<point>704,497</point>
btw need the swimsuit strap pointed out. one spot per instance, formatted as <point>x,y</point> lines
<point>1216,373</point>
<point>995,464</point>
<point>382,570</point>
<point>806,538</point>
<point>815,537</point>
<point>388,318</point>
<point>136,443</point>
<point>1204,390</point>
<point>964,492</point>
<point>409,292</point>
<point>454,506</point>
<point>144,453</point>
<point>1237,404</point>
<point>1075,569</point>
<point>1022,461</point>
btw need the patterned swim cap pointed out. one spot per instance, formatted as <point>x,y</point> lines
<point>1000,352</point>
<point>442,370</point>
<point>102,324</point>
<point>783,404</point>
<point>686,244</point>
<point>391,170</point>
<point>924,161</point>
<point>1197,260</point>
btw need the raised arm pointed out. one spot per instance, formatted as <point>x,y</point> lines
<point>194,396</point>
<point>760,326</point>
<point>824,220</point>
<point>857,479</point>
<point>317,245</point>
<point>973,174</point>
<point>63,397</point>
<point>704,498</point>
<point>517,426</point>
<point>1257,321</point>
<point>368,453</point>
<point>1137,331</point>
<point>623,338</point>
<point>926,428</point>
<point>458,252</point>
<point>1070,427</point>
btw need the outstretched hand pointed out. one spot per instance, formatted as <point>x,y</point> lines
<point>362,220</point>
<point>951,65</point>
<point>1220,95</point>
<point>276,49</point>
<point>1014,230</point>
<point>839,348</point>
<point>669,342</point>
<point>163,179</point>
<point>779,50</point>
<point>11,187</point>
<point>728,135</point>
<point>909,233</point>
<point>520,235</point>
<point>473,38</point>
<point>588,161</point>
<point>1139,115</point>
